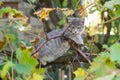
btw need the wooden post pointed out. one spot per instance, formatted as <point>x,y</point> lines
<point>69,73</point>
<point>63,73</point>
<point>59,74</point>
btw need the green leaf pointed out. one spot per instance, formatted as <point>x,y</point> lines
<point>117,77</point>
<point>8,10</point>
<point>11,37</point>
<point>105,46</point>
<point>78,78</point>
<point>37,77</point>
<point>32,1</point>
<point>102,65</point>
<point>24,57</point>
<point>117,10</point>
<point>112,3</point>
<point>112,39</point>
<point>65,2</point>
<point>18,78</point>
<point>40,70</point>
<point>108,77</point>
<point>23,68</point>
<point>61,22</point>
<point>115,52</point>
<point>1,3</point>
<point>6,68</point>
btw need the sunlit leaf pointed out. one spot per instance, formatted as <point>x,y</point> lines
<point>115,52</point>
<point>10,37</point>
<point>93,31</point>
<point>117,10</point>
<point>6,68</point>
<point>102,65</point>
<point>44,13</point>
<point>26,62</point>
<point>61,22</point>
<point>108,77</point>
<point>80,74</point>
<point>40,70</point>
<point>65,2</point>
<point>1,3</point>
<point>9,10</point>
<point>110,4</point>
<point>24,57</point>
<point>36,77</point>
<point>117,77</point>
<point>106,47</point>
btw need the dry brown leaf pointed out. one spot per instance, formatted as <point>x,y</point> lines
<point>3,41</point>
<point>23,46</point>
<point>44,13</point>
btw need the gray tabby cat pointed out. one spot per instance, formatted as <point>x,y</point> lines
<point>57,47</point>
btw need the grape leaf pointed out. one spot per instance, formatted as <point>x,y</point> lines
<point>6,68</point>
<point>24,57</point>
<point>108,77</point>
<point>23,68</point>
<point>115,52</point>
<point>102,64</point>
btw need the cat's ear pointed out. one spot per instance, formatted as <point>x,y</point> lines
<point>76,21</point>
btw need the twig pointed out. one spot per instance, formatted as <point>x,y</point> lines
<point>77,49</point>
<point>39,48</point>
<point>109,21</point>
<point>82,11</point>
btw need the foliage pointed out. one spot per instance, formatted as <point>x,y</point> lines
<point>19,65</point>
<point>80,74</point>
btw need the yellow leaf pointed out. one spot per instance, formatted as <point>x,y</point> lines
<point>21,16</point>
<point>36,77</point>
<point>80,72</point>
<point>44,13</point>
<point>112,41</point>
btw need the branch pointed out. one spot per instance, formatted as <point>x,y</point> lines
<point>109,21</point>
<point>57,35</point>
<point>77,49</point>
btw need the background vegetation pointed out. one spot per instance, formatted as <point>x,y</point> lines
<point>101,41</point>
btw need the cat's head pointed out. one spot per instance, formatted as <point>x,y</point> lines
<point>76,29</point>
